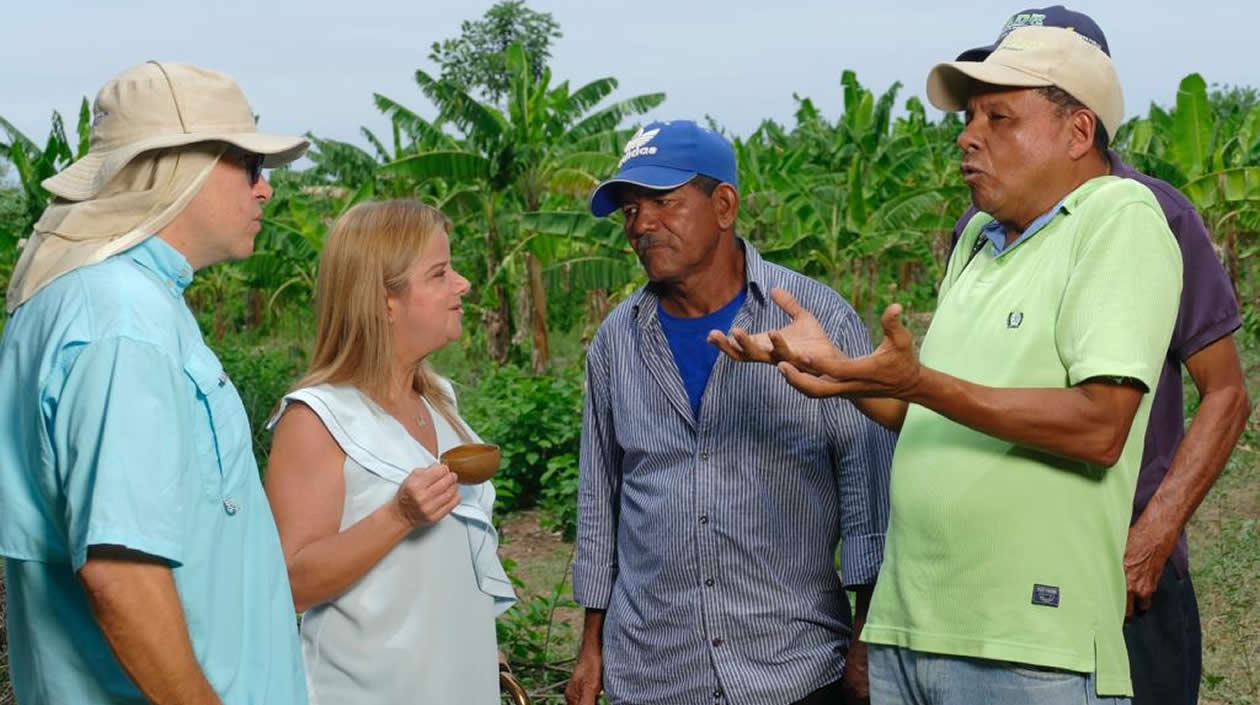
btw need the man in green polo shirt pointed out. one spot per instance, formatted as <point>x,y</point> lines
<point>1022,420</point>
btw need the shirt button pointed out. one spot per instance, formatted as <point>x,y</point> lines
<point>704,455</point>
<point>230,506</point>
<point>708,583</point>
<point>704,518</point>
<point>718,641</point>
<point>717,695</point>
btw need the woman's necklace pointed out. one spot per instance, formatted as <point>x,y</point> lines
<point>420,420</point>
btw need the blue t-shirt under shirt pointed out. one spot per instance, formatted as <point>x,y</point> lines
<point>693,354</point>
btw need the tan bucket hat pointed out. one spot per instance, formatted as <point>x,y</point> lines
<point>159,105</point>
<point>1033,57</point>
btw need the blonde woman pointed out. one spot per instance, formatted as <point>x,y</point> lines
<point>393,562</point>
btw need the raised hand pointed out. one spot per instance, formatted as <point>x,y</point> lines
<point>803,338</point>
<point>891,370</point>
<point>427,495</point>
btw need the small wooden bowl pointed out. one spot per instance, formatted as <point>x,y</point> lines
<point>472,463</point>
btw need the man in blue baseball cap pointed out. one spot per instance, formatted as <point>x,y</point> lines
<point>1178,466</point>
<point>713,497</point>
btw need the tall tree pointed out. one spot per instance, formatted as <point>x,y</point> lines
<point>476,60</point>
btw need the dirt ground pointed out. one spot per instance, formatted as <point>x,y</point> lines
<point>543,560</point>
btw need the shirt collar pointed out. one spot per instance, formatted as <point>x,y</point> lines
<point>171,267</point>
<point>755,271</point>
<point>996,234</point>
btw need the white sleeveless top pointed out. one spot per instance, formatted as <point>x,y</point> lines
<point>419,626</point>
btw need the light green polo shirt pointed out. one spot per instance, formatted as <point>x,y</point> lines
<point>1003,552</point>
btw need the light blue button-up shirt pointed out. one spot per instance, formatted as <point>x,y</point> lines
<point>118,426</point>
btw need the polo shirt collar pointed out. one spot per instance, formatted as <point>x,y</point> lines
<point>996,234</point>
<point>171,267</point>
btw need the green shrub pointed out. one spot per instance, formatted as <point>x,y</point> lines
<point>529,633</point>
<point>262,375</point>
<point>537,422</point>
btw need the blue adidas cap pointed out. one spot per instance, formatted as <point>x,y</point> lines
<point>666,155</point>
<point>1053,16</point>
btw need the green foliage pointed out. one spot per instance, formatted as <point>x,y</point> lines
<point>1209,147</point>
<point>475,60</point>
<point>537,422</point>
<point>13,217</point>
<point>1251,325</point>
<point>1227,99</point>
<point>864,203</point>
<point>8,258</point>
<point>528,632</point>
<point>262,375</point>
<point>542,150</point>
<point>33,163</point>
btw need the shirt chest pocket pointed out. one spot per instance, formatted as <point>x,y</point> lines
<point>221,441</point>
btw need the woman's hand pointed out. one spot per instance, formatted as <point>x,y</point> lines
<point>427,495</point>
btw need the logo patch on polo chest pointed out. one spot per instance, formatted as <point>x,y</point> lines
<point>1045,595</point>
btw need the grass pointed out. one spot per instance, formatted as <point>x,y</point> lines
<point>1225,565</point>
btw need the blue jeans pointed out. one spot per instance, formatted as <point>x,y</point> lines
<point>904,677</point>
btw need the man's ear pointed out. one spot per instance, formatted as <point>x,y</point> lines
<point>1083,125</point>
<point>726,205</point>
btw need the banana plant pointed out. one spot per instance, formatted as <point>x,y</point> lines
<point>549,140</point>
<point>833,198</point>
<point>33,163</point>
<point>1213,156</point>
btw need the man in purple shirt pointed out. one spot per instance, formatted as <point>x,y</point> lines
<point>1178,467</point>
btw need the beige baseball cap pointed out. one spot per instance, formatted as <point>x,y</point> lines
<point>1033,57</point>
<point>160,105</point>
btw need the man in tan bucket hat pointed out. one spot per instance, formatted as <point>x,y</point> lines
<point>141,559</point>
<point>1021,419</point>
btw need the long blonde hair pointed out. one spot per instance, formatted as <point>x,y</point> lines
<point>366,257</point>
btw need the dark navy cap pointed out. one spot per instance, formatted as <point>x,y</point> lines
<point>666,155</point>
<point>1053,16</point>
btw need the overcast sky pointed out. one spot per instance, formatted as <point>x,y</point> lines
<point>314,64</point>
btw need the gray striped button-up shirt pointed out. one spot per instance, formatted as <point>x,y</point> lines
<point>711,541</point>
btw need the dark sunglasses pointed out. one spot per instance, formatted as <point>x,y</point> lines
<point>252,164</point>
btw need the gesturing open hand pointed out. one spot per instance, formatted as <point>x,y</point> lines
<point>891,370</point>
<point>809,361</point>
<point>802,339</point>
